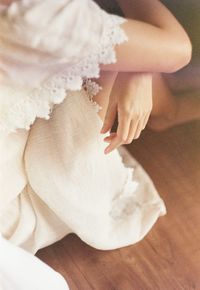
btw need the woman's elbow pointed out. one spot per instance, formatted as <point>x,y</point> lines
<point>182,52</point>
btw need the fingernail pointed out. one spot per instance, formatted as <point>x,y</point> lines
<point>102,130</point>
<point>106,151</point>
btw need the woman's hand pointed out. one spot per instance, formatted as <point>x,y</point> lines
<point>131,101</point>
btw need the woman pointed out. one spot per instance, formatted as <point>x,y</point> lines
<point>55,177</point>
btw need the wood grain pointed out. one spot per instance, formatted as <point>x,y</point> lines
<point>169,256</point>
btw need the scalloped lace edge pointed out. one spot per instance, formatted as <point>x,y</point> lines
<point>40,101</point>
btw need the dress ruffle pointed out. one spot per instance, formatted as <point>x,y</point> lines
<point>21,105</point>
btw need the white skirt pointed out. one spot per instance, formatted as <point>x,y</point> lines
<point>19,270</point>
<point>57,180</point>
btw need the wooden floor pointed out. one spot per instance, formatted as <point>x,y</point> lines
<point>169,257</point>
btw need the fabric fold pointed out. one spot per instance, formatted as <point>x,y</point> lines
<point>55,178</point>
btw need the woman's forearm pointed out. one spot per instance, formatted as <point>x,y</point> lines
<point>157,42</point>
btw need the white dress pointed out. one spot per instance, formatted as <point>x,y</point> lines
<point>55,178</point>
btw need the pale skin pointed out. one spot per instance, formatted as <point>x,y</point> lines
<point>153,33</point>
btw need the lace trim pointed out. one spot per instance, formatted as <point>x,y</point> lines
<point>92,89</point>
<point>39,102</point>
<point>127,202</point>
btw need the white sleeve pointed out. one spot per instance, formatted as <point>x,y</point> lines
<point>60,28</point>
<point>48,47</point>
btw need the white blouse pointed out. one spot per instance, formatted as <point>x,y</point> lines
<point>48,48</point>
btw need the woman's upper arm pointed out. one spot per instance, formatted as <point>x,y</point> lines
<point>157,42</point>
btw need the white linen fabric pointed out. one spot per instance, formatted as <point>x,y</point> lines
<point>19,270</point>
<point>55,178</point>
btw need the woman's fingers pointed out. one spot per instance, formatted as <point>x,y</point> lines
<point>111,136</point>
<point>139,130</point>
<point>141,126</point>
<point>132,132</point>
<point>146,120</point>
<point>121,134</point>
<point>115,142</point>
<point>135,129</point>
<point>109,117</point>
<point>133,103</point>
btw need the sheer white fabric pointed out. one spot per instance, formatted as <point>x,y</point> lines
<point>55,178</point>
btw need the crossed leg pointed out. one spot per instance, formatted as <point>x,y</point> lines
<point>170,110</point>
